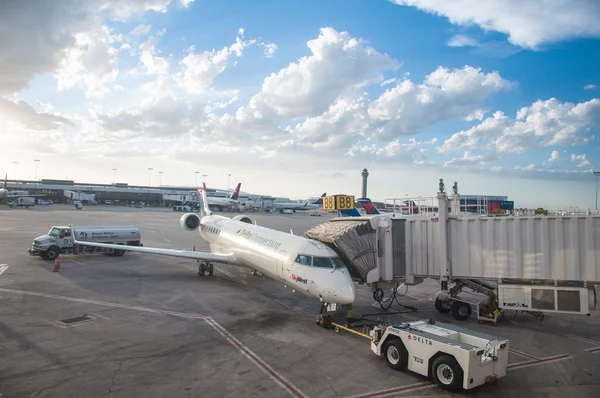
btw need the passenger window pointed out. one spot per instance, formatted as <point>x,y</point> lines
<point>322,262</point>
<point>304,260</point>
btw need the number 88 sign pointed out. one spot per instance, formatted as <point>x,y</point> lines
<point>344,202</point>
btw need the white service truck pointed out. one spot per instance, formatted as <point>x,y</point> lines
<point>59,240</point>
<point>454,357</point>
<point>23,201</point>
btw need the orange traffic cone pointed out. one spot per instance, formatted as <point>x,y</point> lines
<point>56,265</point>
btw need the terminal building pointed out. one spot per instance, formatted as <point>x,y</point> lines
<point>64,191</point>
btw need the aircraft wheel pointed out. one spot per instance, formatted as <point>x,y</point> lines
<point>202,269</point>
<point>210,269</point>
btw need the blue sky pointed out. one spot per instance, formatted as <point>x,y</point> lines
<point>502,97</point>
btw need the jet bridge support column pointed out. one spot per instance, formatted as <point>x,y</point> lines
<point>443,232</point>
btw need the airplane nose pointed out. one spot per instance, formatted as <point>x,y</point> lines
<point>345,294</point>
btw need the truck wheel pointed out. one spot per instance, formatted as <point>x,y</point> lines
<point>461,311</point>
<point>396,354</point>
<point>439,306</point>
<point>210,270</point>
<point>447,373</point>
<point>52,253</point>
<point>118,253</point>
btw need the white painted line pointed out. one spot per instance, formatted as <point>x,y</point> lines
<point>584,340</point>
<point>274,375</point>
<point>593,350</point>
<point>3,267</point>
<point>255,359</point>
<point>229,274</point>
<point>167,240</point>
<point>523,354</point>
<point>536,362</point>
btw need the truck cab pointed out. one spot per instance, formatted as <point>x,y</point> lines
<point>49,246</point>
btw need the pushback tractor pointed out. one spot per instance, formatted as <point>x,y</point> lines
<point>454,357</point>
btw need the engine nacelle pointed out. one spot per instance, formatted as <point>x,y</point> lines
<point>190,221</point>
<point>245,219</point>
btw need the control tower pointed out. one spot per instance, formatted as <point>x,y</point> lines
<point>365,175</point>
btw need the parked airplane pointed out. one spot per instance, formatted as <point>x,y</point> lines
<point>307,265</point>
<point>6,194</point>
<point>366,204</point>
<point>295,206</point>
<point>222,203</point>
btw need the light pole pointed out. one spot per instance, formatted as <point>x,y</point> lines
<point>597,174</point>
<point>15,170</point>
<point>196,172</point>
<point>149,174</point>
<point>160,178</point>
<point>204,177</point>
<point>36,161</point>
<point>228,178</point>
<point>114,176</point>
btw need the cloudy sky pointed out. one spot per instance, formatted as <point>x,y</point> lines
<point>295,98</point>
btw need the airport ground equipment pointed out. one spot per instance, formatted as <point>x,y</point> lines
<point>59,240</point>
<point>452,356</point>
<point>22,202</point>
<point>534,263</point>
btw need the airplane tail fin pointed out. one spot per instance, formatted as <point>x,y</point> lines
<point>320,200</point>
<point>368,206</point>
<point>235,194</point>
<point>204,210</point>
<point>350,213</point>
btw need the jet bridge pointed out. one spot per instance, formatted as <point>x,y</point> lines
<point>532,263</point>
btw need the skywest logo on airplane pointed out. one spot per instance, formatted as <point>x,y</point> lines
<point>274,254</point>
<point>269,243</point>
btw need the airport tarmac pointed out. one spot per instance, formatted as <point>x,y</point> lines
<point>154,328</point>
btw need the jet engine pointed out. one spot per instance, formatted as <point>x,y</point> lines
<point>190,221</point>
<point>245,219</point>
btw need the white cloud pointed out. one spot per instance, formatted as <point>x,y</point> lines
<point>339,64</point>
<point>589,87</point>
<point>92,61</point>
<point>445,94</point>
<point>154,65</point>
<point>141,30</point>
<point>25,115</point>
<point>584,163</point>
<point>544,123</point>
<point>469,159</point>
<point>270,49</point>
<point>554,156</point>
<point>161,32</point>
<point>528,23</point>
<point>185,3</point>
<point>201,69</point>
<point>241,32</point>
<point>462,41</point>
<point>575,157</point>
<point>388,81</point>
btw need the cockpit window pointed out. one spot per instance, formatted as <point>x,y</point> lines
<point>304,260</point>
<point>337,262</point>
<point>322,262</point>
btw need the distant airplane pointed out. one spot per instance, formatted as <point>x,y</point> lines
<point>306,265</point>
<point>6,194</point>
<point>295,206</point>
<point>366,204</point>
<point>222,203</point>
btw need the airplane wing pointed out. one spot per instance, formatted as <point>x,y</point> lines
<point>200,256</point>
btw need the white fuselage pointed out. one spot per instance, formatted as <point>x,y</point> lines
<point>273,253</point>
<point>295,206</point>
<point>221,202</point>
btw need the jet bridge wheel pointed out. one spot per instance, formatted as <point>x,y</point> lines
<point>439,306</point>
<point>461,311</point>
<point>210,269</point>
<point>447,373</point>
<point>396,354</point>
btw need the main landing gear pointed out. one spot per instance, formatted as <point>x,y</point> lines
<point>204,268</point>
